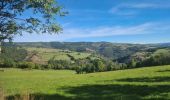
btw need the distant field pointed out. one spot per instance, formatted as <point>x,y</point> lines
<point>150,83</point>
<point>161,51</point>
<point>47,53</point>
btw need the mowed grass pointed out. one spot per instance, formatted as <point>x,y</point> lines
<point>150,83</point>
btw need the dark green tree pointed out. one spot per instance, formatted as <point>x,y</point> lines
<point>132,64</point>
<point>42,19</point>
<point>99,65</point>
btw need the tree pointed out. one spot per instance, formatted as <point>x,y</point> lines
<point>12,21</point>
<point>14,52</point>
<point>132,63</point>
<point>99,65</point>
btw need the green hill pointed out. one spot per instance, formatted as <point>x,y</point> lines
<point>117,51</point>
<point>84,57</point>
<point>42,55</point>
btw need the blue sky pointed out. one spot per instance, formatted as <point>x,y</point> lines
<point>123,21</point>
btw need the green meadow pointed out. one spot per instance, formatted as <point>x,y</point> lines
<point>45,54</point>
<point>149,83</point>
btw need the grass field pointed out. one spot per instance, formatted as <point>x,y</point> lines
<point>47,53</point>
<point>150,83</point>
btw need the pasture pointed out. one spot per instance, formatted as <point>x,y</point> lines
<point>45,54</point>
<point>149,83</point>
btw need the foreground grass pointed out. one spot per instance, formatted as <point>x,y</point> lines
<point>150,83</point>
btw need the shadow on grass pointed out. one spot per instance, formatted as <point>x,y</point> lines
<point>37,96</point>
<point>146,79</point>
<point>168,70</point>
<point>118,92</point>
<point>107,92</point>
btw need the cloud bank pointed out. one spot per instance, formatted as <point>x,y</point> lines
<point>145,28</point>
<point>132,8</point>
<point>78,33</point>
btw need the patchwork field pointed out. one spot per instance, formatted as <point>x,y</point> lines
<point>150,83</point>
<point>42,55</point>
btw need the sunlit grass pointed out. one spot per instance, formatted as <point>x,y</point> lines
<point>147,82</point>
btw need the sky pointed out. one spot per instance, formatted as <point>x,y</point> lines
<point>118,21</point>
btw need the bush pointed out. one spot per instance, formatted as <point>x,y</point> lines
<point>79,70</point>
<point>28,65</point>
<point>38,66</point>
<point>59,64</point>
<point>9,63</point>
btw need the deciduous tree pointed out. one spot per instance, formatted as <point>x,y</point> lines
<point>42,18</point>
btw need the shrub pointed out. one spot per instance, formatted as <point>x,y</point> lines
<point>8,63</point>
<point>79,70</point>
<point>28,65</point>
<point>37,66</point>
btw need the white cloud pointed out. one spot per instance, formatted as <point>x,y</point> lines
<point>131,8</point>
<point>146,28</point>
<point>146,5</point>
<point>107,31</point>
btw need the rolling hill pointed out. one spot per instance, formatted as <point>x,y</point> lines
<point>121,52</point>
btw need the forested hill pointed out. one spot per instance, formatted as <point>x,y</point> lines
<point>107,49</point>
<point>92,45</point>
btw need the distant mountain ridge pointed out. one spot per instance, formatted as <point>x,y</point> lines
<point>164,44</point>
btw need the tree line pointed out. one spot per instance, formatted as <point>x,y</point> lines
<point>153,60</point>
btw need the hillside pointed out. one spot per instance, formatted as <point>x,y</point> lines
<point>84,57</point>
<point>110,50</point>
<point>121,52</point>
<point>43,55</point>
<point>150,83</point>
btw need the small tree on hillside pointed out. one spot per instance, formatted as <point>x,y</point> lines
<point>100,66</point>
